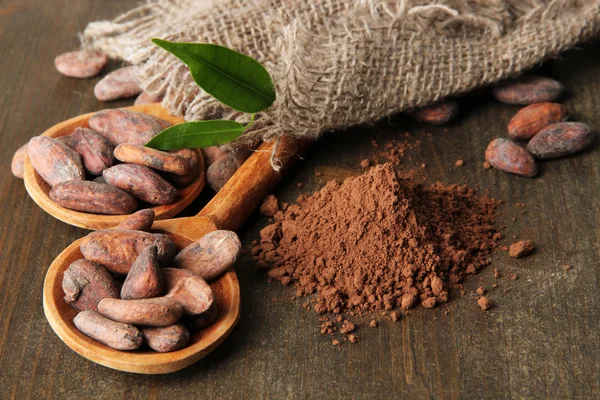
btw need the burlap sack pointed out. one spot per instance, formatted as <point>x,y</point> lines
<point>337,63</point>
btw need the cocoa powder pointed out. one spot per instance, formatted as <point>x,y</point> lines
<point>379,242</point>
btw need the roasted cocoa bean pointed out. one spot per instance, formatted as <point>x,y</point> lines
<point>560,140</point>
<point>532,119</point>
<point>144,279</point>
<point>118,84</point>
<point>139,221</point>
<point>117,249</point>
<point>158,311</point>
<point>212,154</point>
<point>211,255</point>
<point>203,320</point>
<point>439,113</point>
<point>147,98</point>
<point>223,169</point>
<point>165,339</point>
<point>141,182</point>
<point>18,161</point>
<point>85,283</point>
<point>54,161</point>
<point>507,156</point>
<point>117,335</point>
<point>124,126</point>
<point>191,157</point>
<point>194,294</point>
<point>80,63</point>
<point>100,179</point>
<point>528,89</point>
<point>92,197</point>
<point>152,158</point>
<point>95,150</point>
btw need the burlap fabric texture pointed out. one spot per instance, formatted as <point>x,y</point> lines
<point>338,63</point>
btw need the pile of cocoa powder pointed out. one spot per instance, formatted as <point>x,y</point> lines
<point>379,242</point>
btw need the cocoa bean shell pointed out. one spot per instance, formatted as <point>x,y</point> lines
<point>93,197</point>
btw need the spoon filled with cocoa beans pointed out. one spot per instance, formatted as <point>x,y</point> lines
<point>154,296</point>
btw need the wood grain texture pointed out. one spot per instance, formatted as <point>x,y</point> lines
<point>541,341</point>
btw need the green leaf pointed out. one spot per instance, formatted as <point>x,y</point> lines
<point>197,134</point>
<point>234,79</point>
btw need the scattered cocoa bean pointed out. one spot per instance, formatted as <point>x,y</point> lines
<point>211,255</point>
<point>117,249</point>
<point>54,161</point>
<point>92,197</point>
<point>439,113</point>
<point>141,182</point>
<point>80,63</point>
<point>152,158</point>
<point>85,283</point>
<point>118,84</point>
<point>560,140</point>
<point>144,279</point>
<point>117,335</point>
<point>528,89</point>
<point>212,154</point>
<point>188,289</point>
<point>18,161</point>
<point>507,156</point>
<point>191,157</point>
<point>532,119</point>
<point>521,249</point>
<point>223,169</point>
<point>207,318</point>
<point>147,98</point>
<point>157,311</point>
<point>124,126</point>
<point>138,221</point>
<point>95,150</point>
<point>165,339</point>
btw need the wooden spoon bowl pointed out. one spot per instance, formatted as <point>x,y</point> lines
<point>38,189</point>
<point>227,210</point>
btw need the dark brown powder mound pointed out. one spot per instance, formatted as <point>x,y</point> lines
<point>378,241</point>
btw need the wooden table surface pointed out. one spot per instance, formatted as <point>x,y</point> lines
<point>541,340</point>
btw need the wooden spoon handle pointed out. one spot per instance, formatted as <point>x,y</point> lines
<point>251,183</point>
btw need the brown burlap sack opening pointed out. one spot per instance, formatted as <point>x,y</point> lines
<point>338,63</point>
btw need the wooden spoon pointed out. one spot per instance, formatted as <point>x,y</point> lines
<point>38,189</point>
<point>227,210</point>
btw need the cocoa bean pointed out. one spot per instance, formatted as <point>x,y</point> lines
<point>532,119</point>
<point>163,123</point>
<point>147,98</point>
<point>85,283</point>
<point>18,161</point>
<point>80,63</point>
<point>158,311</point>
<point>118,84</point>
<point>100,179</point>
<point>152,158</point>
<point>191,157</point>
<point>124,126</point>
<point>211,255</point>
<point>194,294</point>
<point>139,221</point>
<point>212,154</point>
<point>95,151</point>
<point>117,335</point>
<point>54,161</point>
<point>144,279</point>
<point>205,319</point>
<point>117,249</point>
<point>223,169</point>
<point>439,113</point>
<point>141,182</point>
<point>92,197</point>
<point>507,156</point>
<point>560,140</point>
<point>528,89</point>
<point>165,339</point>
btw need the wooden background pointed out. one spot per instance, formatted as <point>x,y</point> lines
<point>541,340</point>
